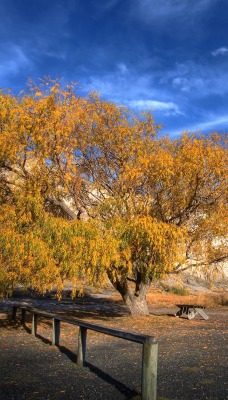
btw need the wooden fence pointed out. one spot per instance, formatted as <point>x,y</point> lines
<point>149,353</point>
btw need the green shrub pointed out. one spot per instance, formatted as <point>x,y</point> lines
<point>223,300</point>
<point>179,290</point>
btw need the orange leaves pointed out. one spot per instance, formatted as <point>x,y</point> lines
<point>64,156</point>
<point>154,246</point>
<point>38,93</point>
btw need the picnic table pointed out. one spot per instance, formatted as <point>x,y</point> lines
<point>191,311</point>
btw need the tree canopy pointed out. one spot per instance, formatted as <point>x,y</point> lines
<point>90,190</point>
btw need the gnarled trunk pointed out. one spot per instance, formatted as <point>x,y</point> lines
<point>137,303</point>
<point>133,293</point>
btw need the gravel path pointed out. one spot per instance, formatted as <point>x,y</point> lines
<point>192,357</point>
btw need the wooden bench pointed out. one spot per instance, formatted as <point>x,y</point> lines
<point>191,311</point>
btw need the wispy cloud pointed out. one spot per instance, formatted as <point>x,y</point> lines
<point>196,80</point>
<point>120,84</point>
<point>156,11</point>
<point>13,60</point>
<point>102,8</point>
<point>126,86</point>
<point>54,54</point>
<point>214,124</point>
<point>168,108</point>
<point>109,4</point>
<point>221,51</point>
<point>123,68</point>
<point>188,84</point>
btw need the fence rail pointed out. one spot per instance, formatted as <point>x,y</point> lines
<point>149,353</point>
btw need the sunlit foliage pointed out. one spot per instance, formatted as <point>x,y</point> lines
<point>89,189</point>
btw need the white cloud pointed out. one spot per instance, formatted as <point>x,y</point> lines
<point>13,60</point>
<point>199,80</point>
<point>221,51</point>
<point>110,4</point>
<point>105,87</point>
<point>139,92</point>
<point>181,83</point>
<point>168,108</point>
<point>107,6</point>
<point>123,68</point>
<point>55,54</point>
<point>121,84</point>
<point>192,83</point>
<point>214,124</point>
<point>156,11</point>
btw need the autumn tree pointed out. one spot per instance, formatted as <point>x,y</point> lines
<point>102,195</point>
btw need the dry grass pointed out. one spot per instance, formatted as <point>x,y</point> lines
<point>213,300</point>
<point>208,299</point>
<point>159,298</point>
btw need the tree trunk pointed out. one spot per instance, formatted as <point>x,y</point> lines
<point>137,304</point>
<point>134,298</point>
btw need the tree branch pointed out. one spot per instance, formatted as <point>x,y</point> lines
<point>60,203</point>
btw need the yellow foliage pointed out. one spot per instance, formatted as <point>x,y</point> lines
<point>152,202</point>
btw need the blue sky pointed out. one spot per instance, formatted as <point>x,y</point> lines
<point>167,56</point>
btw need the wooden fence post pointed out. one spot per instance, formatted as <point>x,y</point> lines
<point>14,313</point>
<point>81,346</point>
<point>149,354</point>
<point>56,332</point>
<point>23,315</point>
<point>149,371</point>
<point>34,323</point>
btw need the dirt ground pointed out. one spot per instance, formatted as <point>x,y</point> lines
<point>192,361</point>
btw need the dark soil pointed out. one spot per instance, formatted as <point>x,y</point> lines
<point>192,355</point>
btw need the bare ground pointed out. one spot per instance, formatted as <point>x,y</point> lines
<point>192,354</point>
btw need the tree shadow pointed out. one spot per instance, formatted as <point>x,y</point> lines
<point>92,307</point>
<point>9,324</point>
<point>88,306</point>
